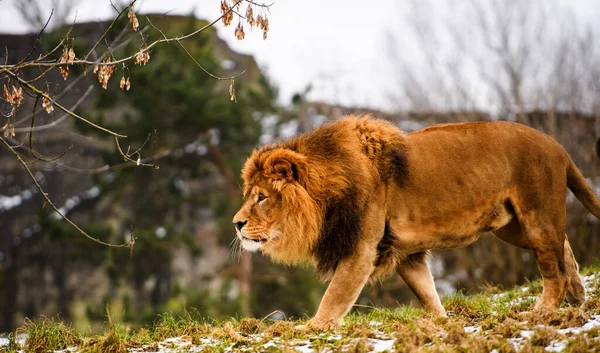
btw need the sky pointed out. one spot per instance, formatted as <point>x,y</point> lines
<point>337,46</point>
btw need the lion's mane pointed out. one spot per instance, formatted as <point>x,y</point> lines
<point>325,178</point>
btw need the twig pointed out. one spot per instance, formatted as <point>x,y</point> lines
<point>91,171</point>
<point>128,157</point>
<point>6,68</point>
<point>45,195</point>
<point>36,90</point>
<point>59,120</point>
<point>37,40</point>
<point>190,55</point>
<point>109,28</point>
<point>39,156</point>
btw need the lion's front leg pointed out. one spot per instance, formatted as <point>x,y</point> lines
<point>348,280</point>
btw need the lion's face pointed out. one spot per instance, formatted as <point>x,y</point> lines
<point>258,222</point>
<point>278,216</point>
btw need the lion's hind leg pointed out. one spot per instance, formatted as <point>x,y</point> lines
<point>415,272</point>
<point>544,230</point>
<point>575,287</point>
<point>575,291</point>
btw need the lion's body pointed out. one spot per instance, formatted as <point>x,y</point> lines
<point>360,199</point>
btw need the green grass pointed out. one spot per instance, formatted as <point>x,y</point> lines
<point>498,319</point>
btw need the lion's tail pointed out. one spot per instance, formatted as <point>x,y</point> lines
<point>582,190</point>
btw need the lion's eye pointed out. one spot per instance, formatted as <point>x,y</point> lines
<point>261,197</point>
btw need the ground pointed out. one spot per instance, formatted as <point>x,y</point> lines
<point>495,321</point>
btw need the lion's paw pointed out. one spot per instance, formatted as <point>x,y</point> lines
<point>321,325</point>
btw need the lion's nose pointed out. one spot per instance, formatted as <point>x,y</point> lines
<point>240,225</point>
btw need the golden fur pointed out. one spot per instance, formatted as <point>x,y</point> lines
<point>359,199</point>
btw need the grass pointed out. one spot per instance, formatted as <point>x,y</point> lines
<point>484,322</point>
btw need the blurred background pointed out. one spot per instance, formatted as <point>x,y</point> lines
<point>416,63</point>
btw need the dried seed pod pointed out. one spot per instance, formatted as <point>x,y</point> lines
<point>250,15</point>
<point>70,56</point>
<point>64,71</point>
<point>105,72</point>
<point>232,91</point>
<point>227,14</point>
<point>47,104</point>
<point>133,19</point>
<point>15,97</point>
<point>239,31</point>
<point>142,57</point>
<point>6,94</point>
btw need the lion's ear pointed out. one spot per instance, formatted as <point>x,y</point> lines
<point>287,165</point>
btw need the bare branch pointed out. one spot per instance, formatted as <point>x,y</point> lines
<point>45,195</point>
<point>36,90</point>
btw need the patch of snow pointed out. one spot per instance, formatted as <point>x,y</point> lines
<point>380,345</point>
<point>228,64</point>
<point>516,342</point>
<point>589,283</point>
<point>521,300</point>
<point>328,336</point>
<point>525,289</point>
<point>526,334</point>
<point>305,348</point>
<point>27,194</point>
<point>472,329</point>
<point>289,129</point>
<point>589,325</point>
<point>375,323</point>
<point>160,232</point>
<point>557,346</point>
<point>21,338</point>
<point>271,344</point>
<point>175,344</point>
<point>91,193</point>
<point>10,202</point>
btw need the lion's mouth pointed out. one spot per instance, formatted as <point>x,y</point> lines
<point>254,240</point>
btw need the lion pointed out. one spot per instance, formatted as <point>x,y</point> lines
<point>359,199</point>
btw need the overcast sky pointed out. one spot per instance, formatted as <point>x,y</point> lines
<point>338,46</point>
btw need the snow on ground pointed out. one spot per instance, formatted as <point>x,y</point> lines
<point>380,342</point>
<point>184,343</point>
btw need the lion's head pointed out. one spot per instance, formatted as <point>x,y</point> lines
<point>279,216</point>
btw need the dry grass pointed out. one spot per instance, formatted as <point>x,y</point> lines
<point>495,320</point>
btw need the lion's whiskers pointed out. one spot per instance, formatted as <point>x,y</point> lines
<point>235,247</point>
<point>239,250</point>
